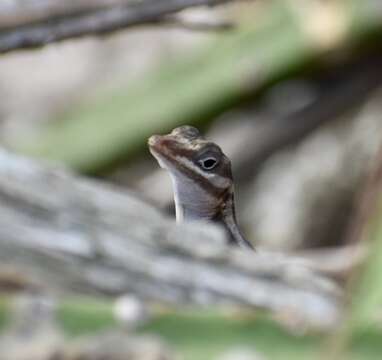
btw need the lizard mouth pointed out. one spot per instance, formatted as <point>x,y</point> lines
<point>160,149</point>
<point>153,140</point>
<point>157,144</point>
<point>165,145</point>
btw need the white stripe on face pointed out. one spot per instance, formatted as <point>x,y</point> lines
<point>218,181</point>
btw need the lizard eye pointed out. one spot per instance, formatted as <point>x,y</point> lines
<point>208,163</point>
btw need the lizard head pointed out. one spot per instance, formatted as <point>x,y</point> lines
<point>202,178</point>
<point>185,153</point>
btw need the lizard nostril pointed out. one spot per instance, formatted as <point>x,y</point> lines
<point>154,140</point>
<point>159,143</point>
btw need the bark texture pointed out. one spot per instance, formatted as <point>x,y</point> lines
<point>71,234</point>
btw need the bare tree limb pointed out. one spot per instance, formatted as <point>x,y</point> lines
<point>72,234</point>
<point>53,22</point>
<point>19,13</point>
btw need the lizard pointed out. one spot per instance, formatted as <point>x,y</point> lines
<point>202,179</point>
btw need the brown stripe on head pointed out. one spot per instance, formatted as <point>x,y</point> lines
<point>202,178</point>
<point>185,150</point>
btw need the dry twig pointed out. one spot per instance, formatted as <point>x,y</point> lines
<point>51,22</point>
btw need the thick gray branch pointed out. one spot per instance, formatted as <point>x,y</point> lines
<point>74,234</point>
<point>51,22</point>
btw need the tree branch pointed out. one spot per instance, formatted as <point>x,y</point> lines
<point>52,23</point>
<point>72,234</point>
<point>16,13</point>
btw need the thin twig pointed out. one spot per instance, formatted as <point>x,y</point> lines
<point>93,22</point>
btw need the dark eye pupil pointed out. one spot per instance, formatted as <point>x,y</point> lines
<point>209,163</point>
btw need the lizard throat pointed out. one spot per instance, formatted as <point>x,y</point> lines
<point>192,202</point>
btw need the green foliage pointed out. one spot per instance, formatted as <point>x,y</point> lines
<point>193,89</point>
<point>4,312</point>
<point>363,325</point>
<point>185,90</point>
<point>81,316</point>
<point>204,335</point>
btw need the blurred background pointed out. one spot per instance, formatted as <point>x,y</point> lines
<point>291,91</point>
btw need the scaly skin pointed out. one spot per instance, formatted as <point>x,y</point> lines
<point>202,179</point>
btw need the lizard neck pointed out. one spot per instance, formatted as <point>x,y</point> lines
<point>227,217</point>
<point>192,202</point>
